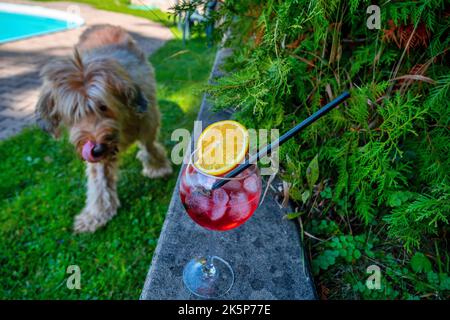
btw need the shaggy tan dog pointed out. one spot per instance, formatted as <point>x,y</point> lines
<point>105,96</point>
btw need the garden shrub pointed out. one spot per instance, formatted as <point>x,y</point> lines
<point>382,193</point>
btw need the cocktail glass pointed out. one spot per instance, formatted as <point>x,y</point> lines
<point>220,209</point>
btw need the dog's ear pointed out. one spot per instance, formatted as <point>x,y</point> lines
<point>134,98</point>
<point>138,100</point>
<point>124,88</point>
<point>46,116</point>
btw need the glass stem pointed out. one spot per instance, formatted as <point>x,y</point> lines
<point>209,269</point>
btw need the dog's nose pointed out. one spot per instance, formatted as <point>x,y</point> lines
<point>98,150</point>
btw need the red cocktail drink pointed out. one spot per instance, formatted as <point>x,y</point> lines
<point>224,208</point>
<point>217,208</point>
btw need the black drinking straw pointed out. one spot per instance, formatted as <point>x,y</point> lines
<point>285,137</point>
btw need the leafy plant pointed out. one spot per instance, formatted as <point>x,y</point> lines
<point>346,248</point>
<point>378,165</point>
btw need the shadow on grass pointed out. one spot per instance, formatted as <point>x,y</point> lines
<point>43,187</point>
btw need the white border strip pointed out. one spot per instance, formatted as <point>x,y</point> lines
<point>42,12</point>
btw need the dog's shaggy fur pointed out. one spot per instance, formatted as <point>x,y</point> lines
<point>106,94</point>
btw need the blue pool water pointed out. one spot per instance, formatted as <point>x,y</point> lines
<point>14,26</point>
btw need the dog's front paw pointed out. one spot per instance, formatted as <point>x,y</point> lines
<point>152,172</point>
<point>88,222</point>
<point>143,156</point>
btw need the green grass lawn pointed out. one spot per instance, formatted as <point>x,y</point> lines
<point>42,188</point>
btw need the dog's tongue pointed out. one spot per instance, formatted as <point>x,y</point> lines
<point>87,151</point>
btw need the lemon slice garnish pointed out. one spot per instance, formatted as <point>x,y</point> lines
<point>221,147</point>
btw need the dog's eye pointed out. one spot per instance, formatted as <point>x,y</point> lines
<point>103,107</point>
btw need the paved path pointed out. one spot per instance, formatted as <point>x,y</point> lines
<point>20,61</point>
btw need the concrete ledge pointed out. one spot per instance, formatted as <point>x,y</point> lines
<point>265,253</point>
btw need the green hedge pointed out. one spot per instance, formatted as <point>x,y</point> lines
<point>382,196</point>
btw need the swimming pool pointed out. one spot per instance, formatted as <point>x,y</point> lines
<point>20,21</point>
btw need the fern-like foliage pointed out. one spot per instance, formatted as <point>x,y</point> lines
<point>425,215</point>
<point>383,155</point>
